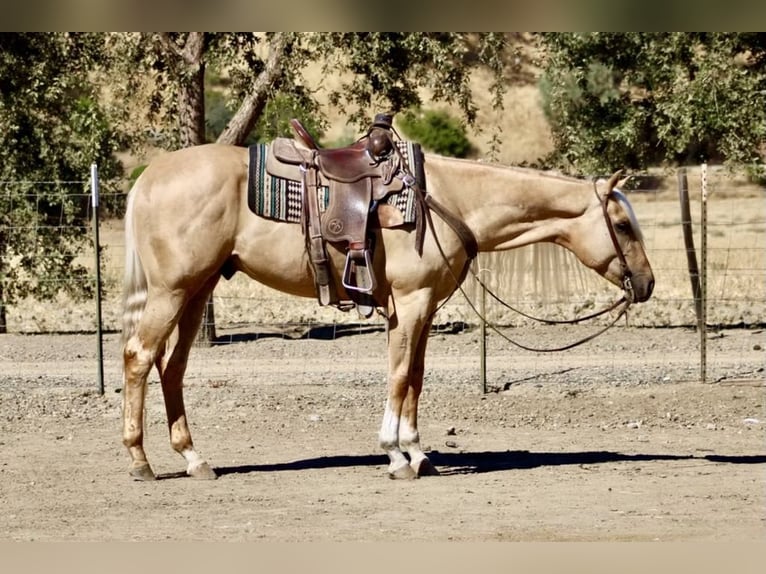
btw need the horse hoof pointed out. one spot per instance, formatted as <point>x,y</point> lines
<point>142,472</point>
<point>202,472</point>
<point>404,472</point>
<point>425,468</point>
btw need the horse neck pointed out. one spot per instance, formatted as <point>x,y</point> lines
<point>510,207</point>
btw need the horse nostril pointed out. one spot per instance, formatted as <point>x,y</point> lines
<point>649,288</point>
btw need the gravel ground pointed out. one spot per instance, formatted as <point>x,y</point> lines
<point>615,440</point>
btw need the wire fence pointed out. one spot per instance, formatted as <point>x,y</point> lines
<point>540,280</point>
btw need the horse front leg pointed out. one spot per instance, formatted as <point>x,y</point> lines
<point>398,432</point>
<point>409,436</point>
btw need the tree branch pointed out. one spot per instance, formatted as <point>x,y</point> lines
<point>168,45</point>
<point>194,47</point>
<point>255,100</point>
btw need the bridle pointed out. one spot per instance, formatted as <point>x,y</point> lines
<point>627,274</point>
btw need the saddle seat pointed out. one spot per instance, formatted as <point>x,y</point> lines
<point>351,163</point>
<point>358,177</point>
<point>348,164</point>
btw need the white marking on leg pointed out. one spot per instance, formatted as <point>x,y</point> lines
<point>193,460</point>
<point>389,439</point>
<point>409,441</point>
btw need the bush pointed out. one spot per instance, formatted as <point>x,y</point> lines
<point>436,131</point>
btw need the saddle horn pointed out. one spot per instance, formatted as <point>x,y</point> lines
<point>379,142</point>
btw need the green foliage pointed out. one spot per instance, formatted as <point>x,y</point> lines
<point>273,122</point>
<point>377,71</point>
<point>217,115</point>
<point>639,99</point>
<point>135,173</point>
<point>51,130</point>
<point>436,131</point>
<point>275,119</point>
<point>388,70</point>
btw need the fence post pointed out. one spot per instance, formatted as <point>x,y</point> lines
<point>691,254</point>
<point>97,249</point>
<point>206,334</point>
<point>483,340</point>
<point>703,277</point>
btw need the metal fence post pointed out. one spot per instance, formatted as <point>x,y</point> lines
<point>703,277</point>
<point>97,249</point>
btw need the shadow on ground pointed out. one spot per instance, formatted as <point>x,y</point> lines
<point>448,463</point>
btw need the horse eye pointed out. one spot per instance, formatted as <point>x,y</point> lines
<point>622,226</point>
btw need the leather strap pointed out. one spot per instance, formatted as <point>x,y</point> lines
<point>470,244</point>
<point>627,274</point>
<point>314,241</point>
<point>303,134</point>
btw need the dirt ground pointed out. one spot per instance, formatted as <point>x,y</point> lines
<point>616,440</point>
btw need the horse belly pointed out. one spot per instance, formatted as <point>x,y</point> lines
<point>274,254</point>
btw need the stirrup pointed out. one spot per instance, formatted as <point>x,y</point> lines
<point>358,267</point>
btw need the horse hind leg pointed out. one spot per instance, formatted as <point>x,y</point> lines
<point>140,351</point>
<point>172,366</point>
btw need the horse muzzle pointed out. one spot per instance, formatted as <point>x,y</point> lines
<point>639,287</point>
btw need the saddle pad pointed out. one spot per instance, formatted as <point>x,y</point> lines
<point>280,199</point>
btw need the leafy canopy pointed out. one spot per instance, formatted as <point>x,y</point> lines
<point>639,99</point>
<point>52,129</point>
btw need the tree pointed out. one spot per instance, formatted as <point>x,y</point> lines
<point>639,99</point>
<point>157,78</point>
<point>386,72</point>
<point>51,129</point>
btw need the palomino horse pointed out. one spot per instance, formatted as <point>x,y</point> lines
<point>188,218</point>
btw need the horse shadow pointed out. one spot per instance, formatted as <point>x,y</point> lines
<point>297,332</point>
<point>323,332</point>
<point>456,463</point>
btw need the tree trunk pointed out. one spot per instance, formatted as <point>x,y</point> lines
<point>191,106</point>
<point>189,64</point>
<point>3,315</point>
<point>248,113</point>
<point>235,133</point>
<point>191,109</point>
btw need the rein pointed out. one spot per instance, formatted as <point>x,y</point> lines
<point>458,281</point>
<point>627,283</point>
<point>426,203</point>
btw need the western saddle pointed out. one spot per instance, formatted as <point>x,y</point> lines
<point>358,176</point>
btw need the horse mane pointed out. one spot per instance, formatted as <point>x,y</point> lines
<point>530,171</point>
<point>541,272</point>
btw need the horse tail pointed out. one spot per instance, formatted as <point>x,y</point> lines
<point>134,286</point>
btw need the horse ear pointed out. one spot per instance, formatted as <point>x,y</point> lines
<point>624,181</point>
<point>613,180</point>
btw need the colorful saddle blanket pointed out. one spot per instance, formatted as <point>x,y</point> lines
<point>280,199</point>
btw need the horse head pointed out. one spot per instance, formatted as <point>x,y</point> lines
<point>608,239</point>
